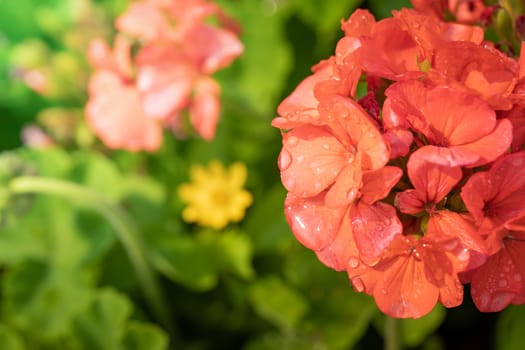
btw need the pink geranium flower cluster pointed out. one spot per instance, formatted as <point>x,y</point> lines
<point>159,69</point>
<point>402,157</point>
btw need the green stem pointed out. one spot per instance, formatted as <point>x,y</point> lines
<point>393,336</point>
<point>122,224</point>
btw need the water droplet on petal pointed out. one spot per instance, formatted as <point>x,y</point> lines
<point>350,195</point>
<point>353,262</point>
<point>463,255</point>
<point>358,285</point>
<point>517,277</point>
<point>517,162</point>
<point>292,141</point>
<point>326,146</point>
<point>502,283</point>
<point>285,159</point>
<point>300,158</point>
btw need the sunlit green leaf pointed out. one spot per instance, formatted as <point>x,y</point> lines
<point>509,328</point>
<point>278,303</point>
<point>266,224</point>
<point>43,301</point>
<point>185,260</point>
<point>10,340</point>
<point>415,331</point>
<point>235,252</point>
<point>102,325</point>
<point>142,336</point>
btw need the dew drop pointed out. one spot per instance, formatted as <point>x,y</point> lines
<point>285,159</point>
<point>517,277</point>
<point>326,146</point>
<point>300,158</point>
<point>463,255</point>
<point>383,291</point>
<point>502,283</point>
<point>350,195</point>
<point>292,141</point>
<point>353,262</point>
<point>517,162</point>
<point>358,285</point>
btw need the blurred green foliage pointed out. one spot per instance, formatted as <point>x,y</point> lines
<point>66,282</point>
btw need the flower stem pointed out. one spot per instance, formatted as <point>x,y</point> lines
<point>393,335</point>
<point>123,227</point>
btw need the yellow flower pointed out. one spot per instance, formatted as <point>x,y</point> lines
<point>215,196</point>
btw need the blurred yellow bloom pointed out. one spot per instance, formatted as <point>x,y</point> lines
<point>215,196</point>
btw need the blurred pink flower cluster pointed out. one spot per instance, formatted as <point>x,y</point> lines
<point>159,70</point>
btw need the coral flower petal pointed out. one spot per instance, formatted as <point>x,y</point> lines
<point>311,160</point>
<point>435,180</point>
<point>212,48</point>
<point>378,183</point>
<point>447,223</point>
<point>165,78</point>
<point>205,107</point>
<point>459,117</point>
<point>300,106</point>
<point>114,112</point>
<point>374,226</point>
<point>491,146</point>
<point>355,128</point>
<point>143,21</point>
<point>313,223</point>
<point>403,289</point>
<point>446,156</point>
<point>491,288</point>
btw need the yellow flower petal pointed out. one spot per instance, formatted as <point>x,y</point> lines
<point>215,195</point>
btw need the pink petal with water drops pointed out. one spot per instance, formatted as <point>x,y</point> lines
<point>374,227</point>
<point>377,184</point>
<point>313,223</point>
<point>491,288</point>
<point>434,180</point>
<point>310,160</point>
<point>449,224</point>
<point>403,289</point>
<point>342,249</point>
<point>346,187</point>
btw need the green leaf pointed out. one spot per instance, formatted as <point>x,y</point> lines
<point>266,224</point>
<point>259,75</point>
<point>277,302</point>
<point>383,9</point>
<point>416,331</point>
<point>102,325</point>
<point>184,260</point>
<point>271,341</point>
<point>509,328</point>
<point>43,301</point>
<point>53,162</point>
<point>235,253</point>
<point>99,173</point>
<point>10,340</point>
<point>143,336</point>
<point>325,16</point>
